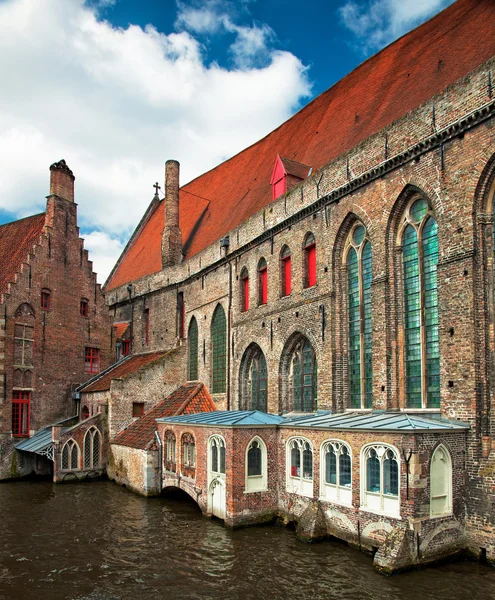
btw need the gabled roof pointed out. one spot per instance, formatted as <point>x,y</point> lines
<point>189,398</point>
<point>120,370</point>
<point>121,329</point>
<point>16,242</point>
<point>385,87</point>
<point>297,169</point>
<point>228,418</point>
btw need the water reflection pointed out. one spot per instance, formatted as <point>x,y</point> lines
<point>101,542</point>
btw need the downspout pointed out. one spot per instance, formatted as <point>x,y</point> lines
<point>131,332</point>
<point>160,458</point>
<point>229,343</point>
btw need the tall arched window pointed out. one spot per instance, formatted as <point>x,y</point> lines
<point>380,476</point>
<point>244,290</point>
<point>336,474</point>
<point>422,350</point>
<point>262,282</point>
<point>359,316</point>
<point>188,455</point>
<point>217,455</point>
<point>70,456</point>
<point>304,378</point>
<point>440,482</point>
<point>309,260</point>
<point>192,344</point>
<point>169,446</point>
<point>256,466</point>
<point>300,467</point>
<point>92,447</point>
<point>219,350</point>
<point>285,271</point>
<point>253,380</point>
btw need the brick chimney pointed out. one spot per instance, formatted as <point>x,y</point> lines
<point>62,181</point>
<point>172,236</point>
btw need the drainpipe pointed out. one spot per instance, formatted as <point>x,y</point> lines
<point>229,327</point>
<point>131,333</point>
<point>160,458</point>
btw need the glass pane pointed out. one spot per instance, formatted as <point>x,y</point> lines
<point>358,235</point>
<point>345,468</point>
<point>331,466</point>
<point>295,462</point>
<point>219,350</point>
<point>418,210</point>
<point>192,339</point>
<point>73,457</point>
<point>368,350</point>
<point>373,472</point>
<point>354,329</point>
<point>254,385</point>
<point>222,459</point>
<point>254,459</point>
<point>214,457</point>
<point>307,463</point>
<point>432,350</point>
<point>390,475</point>
<point>296,382</point>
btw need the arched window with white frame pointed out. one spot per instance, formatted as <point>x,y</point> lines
<point>299,462</point>
<point>70,456</point>
<point>92,448</point>
<point>217,455</point>
<point>188,462</point>
<point>440,482</point>
<point>256,466</point>
<point>170,456</point>
<point>380,479</point>
<point>336,472</point>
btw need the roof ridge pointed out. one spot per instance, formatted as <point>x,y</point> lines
<point>197,388</point>
<point>23,219</point>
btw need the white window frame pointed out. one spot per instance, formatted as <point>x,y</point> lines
<point>220,441</point>
<point>72,446</point>
<point>330,492</point>
<point>448,496</point>
<point>257,483</point>
<point>299,484</point>
<point>379,502</point>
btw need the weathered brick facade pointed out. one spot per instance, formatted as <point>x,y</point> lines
<point>42,349</point>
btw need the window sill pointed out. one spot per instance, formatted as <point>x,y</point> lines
<point>381,513</point>
<point>256,491</point>
<point>449,515</point>
<point>337,502</point>
<point>420,410</point>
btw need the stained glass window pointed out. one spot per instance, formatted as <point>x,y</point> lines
<point>259,382</point>
<point>254,459</point>
<point>359,315</point>
<point>219,350</point>
<point>192,340</point>
<point>422,350</point>
<point>304,378</point>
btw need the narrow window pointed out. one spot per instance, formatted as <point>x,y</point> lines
<point>256,466</point>
<point>146,326</point>
<point>304,378</point>
<point>336,486</point>
<point>440,482</point>
<point>84,308</point>
<point>219,350</point>
<point>181,314</point>
<point>137,409</point>
<point>259,382</point>
<point>45,299</point>
<point>380,492</point>
<point>92,360</point>
<point>21,404</point>
<point>170,459</point>
<point>188,455</point>
<point>192,342</point>
<point>359,314</point>
<point>244,290</point>
<point>262,282</point>
<point>92,445</point>
<point>126,347</point>
<point>422,350</point>
<point>217,455</point>
<point>300,467</point>
<point>286,271</point>
<point>85,413</point>
<point>310,260</point>
<point>70,456</point>
<point>254,459</point>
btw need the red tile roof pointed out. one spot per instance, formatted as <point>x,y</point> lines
<point>292,167</point>
<point>188,399</point>
<point>16,242</point>
<point>383,88</point>
<point>121,370</point>
<point>121,329</point>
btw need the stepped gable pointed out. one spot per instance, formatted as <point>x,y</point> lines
<point>121,370</point>
<point>189,398</point>
<point>16,242</point>
<point>385,87</point>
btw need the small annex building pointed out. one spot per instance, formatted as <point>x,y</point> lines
<point>136,452</point>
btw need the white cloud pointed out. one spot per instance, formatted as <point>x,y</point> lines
<point>377,23</point>
<point>117,103</point>
<point>104,250</point>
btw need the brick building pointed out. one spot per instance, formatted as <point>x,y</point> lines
<point>345,264</point>
<point>55,331</point>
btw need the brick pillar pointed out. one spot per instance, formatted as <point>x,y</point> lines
<point>62,181</point>
<point>172,236</point>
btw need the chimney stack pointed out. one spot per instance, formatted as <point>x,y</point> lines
<point>172,236</point>
<point>62,181</point>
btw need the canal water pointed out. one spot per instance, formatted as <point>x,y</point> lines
<point>98,541</point>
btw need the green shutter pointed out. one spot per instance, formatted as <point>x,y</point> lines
<point>192,340</point>
<point>219,350</point>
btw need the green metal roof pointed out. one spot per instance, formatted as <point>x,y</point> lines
<point>226,418</point>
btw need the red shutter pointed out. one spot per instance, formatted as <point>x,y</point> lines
<point>21,408</point>
<point>311,259</point>
<point>287,276</point>
<point>264,286</point>
<point>245,297</point>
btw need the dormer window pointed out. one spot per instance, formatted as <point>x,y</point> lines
<point>287,174</point>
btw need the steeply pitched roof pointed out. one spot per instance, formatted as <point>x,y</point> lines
<point>382,89</point>
<point>16,242</point>
<point>120,370</point>
<point>189,398</point>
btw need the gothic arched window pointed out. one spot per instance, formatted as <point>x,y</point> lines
<point>359,318</point>
<point>300,467</point>
<point>219,350</point>
<point>304,371</point>
<point>192,344</point>
<point>421,347</point>
<point>309,260</point>
<point>244,290</point>
<point>253,384</point>
<point>169,444</point>
<point>217,455</point>
<point>70,456</point>
<point>337,472</point>
<point>380,475</point>
<point>262,282</point>
<point>440,482</point>
<point>285,271</point>
<point>92,446</point>
<point>256,466</point>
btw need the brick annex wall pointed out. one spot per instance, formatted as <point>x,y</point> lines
<point>59,263</point>
<point>136,469</point>
<point>441,151</point>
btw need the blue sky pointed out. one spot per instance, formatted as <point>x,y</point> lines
<point>117,87</point>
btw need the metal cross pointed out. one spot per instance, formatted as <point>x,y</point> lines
<point>157,187</point>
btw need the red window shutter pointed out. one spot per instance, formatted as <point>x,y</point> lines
<point>263,286</point>
<point>126,347</point>
<point>245,293</point>
<point>21,408</point>
<point>287,276</point>
<point>311,260</point>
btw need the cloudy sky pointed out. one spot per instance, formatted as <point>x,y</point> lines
<point>117,87</point>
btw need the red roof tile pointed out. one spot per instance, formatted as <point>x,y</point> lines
<point>292,167</point>
<point>121,329</point>
<point>189,398</point>
<point>121,370</point>
<point>16,242</point>
<point>382,89</point>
